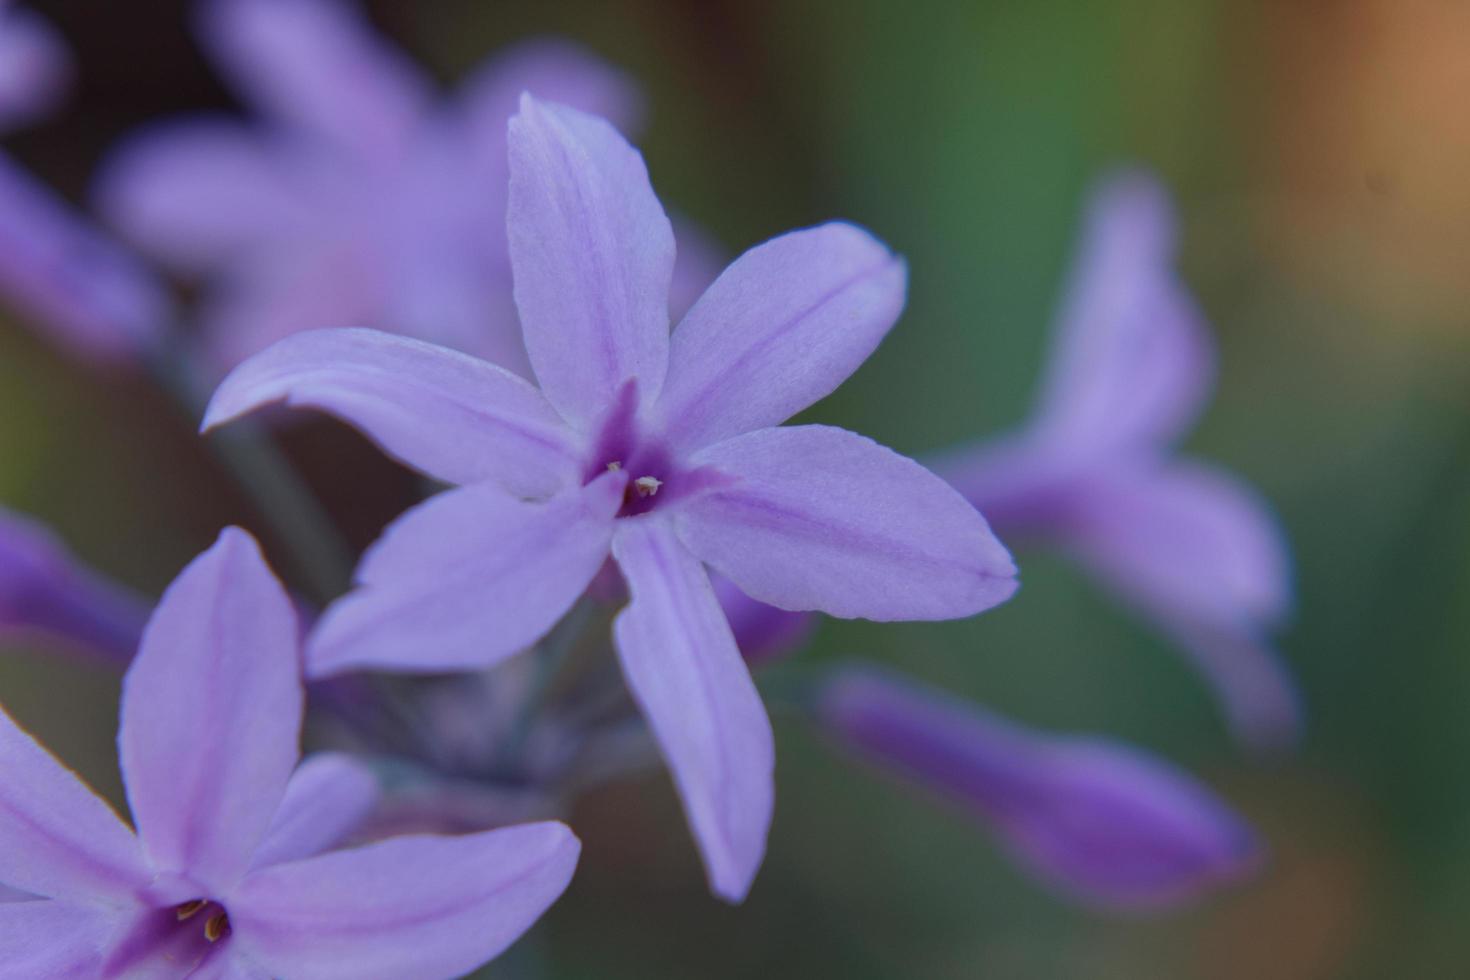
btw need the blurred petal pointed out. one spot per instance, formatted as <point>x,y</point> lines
<point>328,798</point>
<point>57,837</point>
<point>318,66</point>
<point>821,518</point>
<point>79,288</point>
<point>697,264</point>
<point>468,578</point>
<point>1133,361</point>
<point>592,255</point>
<point>450,415</point>
<point>422,907</point>
<point>1262,703</point>
<point>763,633</point>
<point>34,67</point>
<point>780,329</point>
<point>46,590</point>
<point>52,940</point>
<point>193,194</point>
<point>211,714</point>
<point>1093,817</point>
<point>686,674</point>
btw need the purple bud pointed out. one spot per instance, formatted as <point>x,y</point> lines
<point>43,589</point>
<point>1093,818</point>
<point>34,66</point>
<point>763,633</point>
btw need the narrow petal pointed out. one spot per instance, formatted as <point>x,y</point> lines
<point>1133,361</point>
<point>822,518</point>
<point>1095,818</point>
<point>1254,685</point>
<point>316,65</point>
<point>592,254</point>
<point>447,414</point>
<point>685,672</point>
<point>780,329</point>
<point>422,907</point>
<point>34,67</point>
<point>57,837</point>
<point>211,714</point>
<point>468,578</point>
<point>193,194</point>
<point>52,940</point>
<point>328,798</point>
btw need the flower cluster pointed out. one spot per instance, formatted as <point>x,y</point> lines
<point>626,529</point>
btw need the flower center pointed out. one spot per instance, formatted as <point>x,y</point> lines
<point>643,489</point>
<point>212,914</point>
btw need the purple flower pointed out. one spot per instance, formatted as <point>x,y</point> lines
<point>359,198</point>
<point>1093,474</point>
<point>33,66</point>
<point>659,450</point>
<point>1096,819</point>
<point>44,590</point>
<point>225,876</point>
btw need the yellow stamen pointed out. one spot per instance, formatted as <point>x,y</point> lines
<point>216,927</point>
<point>190,909</point>
<point>647,486</point>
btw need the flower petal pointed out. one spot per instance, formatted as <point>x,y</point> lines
<point>57,837</point>
<point>763,633</point>
<point>211,714</point>
<point>1093,817</point>
<point>316,65</point>
<point>34,66</point>
<point>780,329</point>
<point>1133,362</point>
<point>468,578</point>
<point>592,254</point>
<point>450,415</point>
<point>684,670</point>
<point>821,518</point>
<point>422,907</point>
<point>328,798</point>
<point>54,940</point>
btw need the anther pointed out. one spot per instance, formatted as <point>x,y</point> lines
<point>216,927</point>
<point>647,486</point>
<point>614,466</point>
<point>189,909</point>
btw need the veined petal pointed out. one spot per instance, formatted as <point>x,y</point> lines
<point>57,837</point>
<point>685,672</point>
<point>317,66</point>
<point>421,907</point>
<point>211,714</point>
<point>328,797</point>
<point>450,415</point>
<point>468,578</point>
<point>54,940</point>
<point>34,66</point>
<point>1093,817</point>
<point>780,329</point>
<point>592,254</point>
<point>821,518</point>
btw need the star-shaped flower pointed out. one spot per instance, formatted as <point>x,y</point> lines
<point>224,877</point>
<point>805,517</point>
<point>1093,473</point>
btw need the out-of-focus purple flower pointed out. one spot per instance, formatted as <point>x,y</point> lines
<point>225,876</point>
<point>1092,474</point>
<point>357,198</point>
<point>1094,818</point>
<point>763,632</point>
<point>44,590</point>
<point>34,67</point>
<point>664,451</point>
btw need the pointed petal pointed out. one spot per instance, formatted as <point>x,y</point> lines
<point>468,578</point>
<point>54,940</point>
<point>592,254</point>
<point>1254,685</point>
<point>193,194</point>
<point>211,714</point>
<point>422,907</point>
<point>57,837</point>
<point>328,798</point>
<point>780,329</point>
<point>1133,361</point>
<point>317,66</point>
<point>686,674</point>
<point>821,518</point>
<point>447,414</point>
<point>1093,817</point>
<point>34,66</point>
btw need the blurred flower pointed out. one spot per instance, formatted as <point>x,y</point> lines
<point>1092,474</point>
<point>1092,817</point>
<point>763,632</point>
<point>44,590</point>
<point>224,876</point>
<point>357,199</point>
<point>33,66</point>
<point>664,450</point>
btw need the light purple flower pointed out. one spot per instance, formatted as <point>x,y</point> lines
<point>763,633</point>
<point>225,876</point>
<point>1093,818</point>
<point>357,197</point>
<point>1093,474</point>
<point>659,450</point>
<point>34,67</point>
<point>45,591</point>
